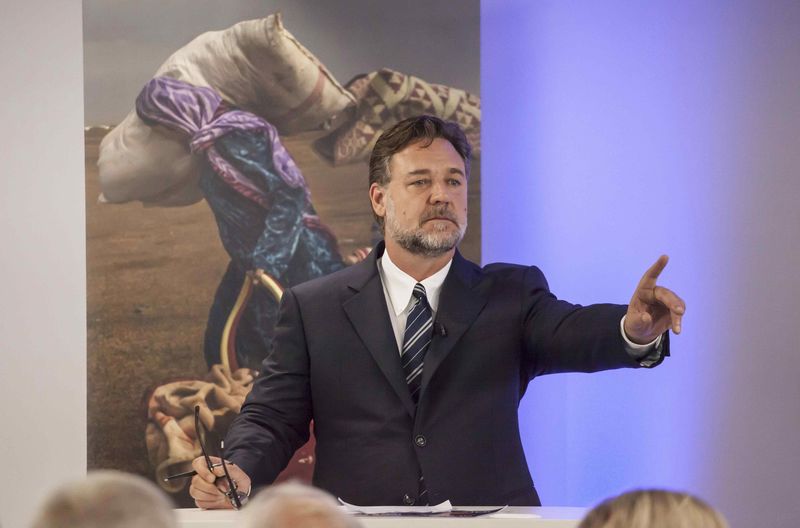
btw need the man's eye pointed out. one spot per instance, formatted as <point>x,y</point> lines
<point>455,182</point>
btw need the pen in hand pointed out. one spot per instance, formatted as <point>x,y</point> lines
<point>186,474</point>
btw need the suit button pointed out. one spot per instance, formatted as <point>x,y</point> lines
<point>420,441</point>
<point>408,500</point>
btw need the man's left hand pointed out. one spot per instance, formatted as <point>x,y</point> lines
<point>208,487</point>
<point>653,309</point>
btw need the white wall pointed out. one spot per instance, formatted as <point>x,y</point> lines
<point>42,268</point>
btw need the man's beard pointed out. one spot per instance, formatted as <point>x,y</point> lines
<point>421,242</point>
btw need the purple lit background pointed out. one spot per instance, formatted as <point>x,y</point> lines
<point>616,131</point>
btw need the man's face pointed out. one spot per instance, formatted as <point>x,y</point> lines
<point>424,205</point>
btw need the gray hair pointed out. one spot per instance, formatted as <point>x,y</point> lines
<point>294,505</point>
<point>653,509</point>
<point>107,499</point>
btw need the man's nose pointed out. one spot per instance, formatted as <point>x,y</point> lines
<point>440,192</point>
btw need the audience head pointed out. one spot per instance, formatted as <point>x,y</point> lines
<point>107,499</point>
<point>653,509</point>
<point>294,505</point>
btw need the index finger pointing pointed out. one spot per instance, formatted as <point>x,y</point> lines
<point>651,275</point>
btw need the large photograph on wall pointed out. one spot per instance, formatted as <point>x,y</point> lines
<point>226,149</point>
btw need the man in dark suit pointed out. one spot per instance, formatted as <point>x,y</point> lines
<point>412,363</point>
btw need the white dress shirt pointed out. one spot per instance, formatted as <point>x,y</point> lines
<point>398,286</point>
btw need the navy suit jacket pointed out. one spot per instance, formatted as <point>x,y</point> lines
<point>335,360</point>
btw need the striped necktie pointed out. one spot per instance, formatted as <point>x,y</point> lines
<point>416,339</point>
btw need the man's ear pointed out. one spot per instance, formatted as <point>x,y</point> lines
<point>377,196</point>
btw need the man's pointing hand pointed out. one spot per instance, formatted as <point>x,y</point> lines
<point>653,309</point>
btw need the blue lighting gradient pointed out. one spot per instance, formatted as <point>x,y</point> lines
<point>617,131</point>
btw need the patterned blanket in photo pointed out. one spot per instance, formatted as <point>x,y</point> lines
<point>386,97</point>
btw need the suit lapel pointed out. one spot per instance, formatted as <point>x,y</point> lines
<point>459,304</point>
<point>365,305</point>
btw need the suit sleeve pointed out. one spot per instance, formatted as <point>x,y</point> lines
<point>564,337</point>
<point>274,419</point>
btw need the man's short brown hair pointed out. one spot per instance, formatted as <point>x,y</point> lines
<point>424,129</point>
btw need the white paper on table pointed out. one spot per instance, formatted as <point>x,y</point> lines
<point>397,510</point>
<point>505,514</point>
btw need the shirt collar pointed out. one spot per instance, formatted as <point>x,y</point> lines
<point>399,284</point>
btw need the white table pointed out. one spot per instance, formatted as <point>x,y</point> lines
<point>511,517</point>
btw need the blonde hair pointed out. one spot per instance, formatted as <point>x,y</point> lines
<point>107,499</point>
<point>294,505</point>
<point>653,509</point>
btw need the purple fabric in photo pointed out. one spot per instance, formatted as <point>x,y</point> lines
<point>200,114</point>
